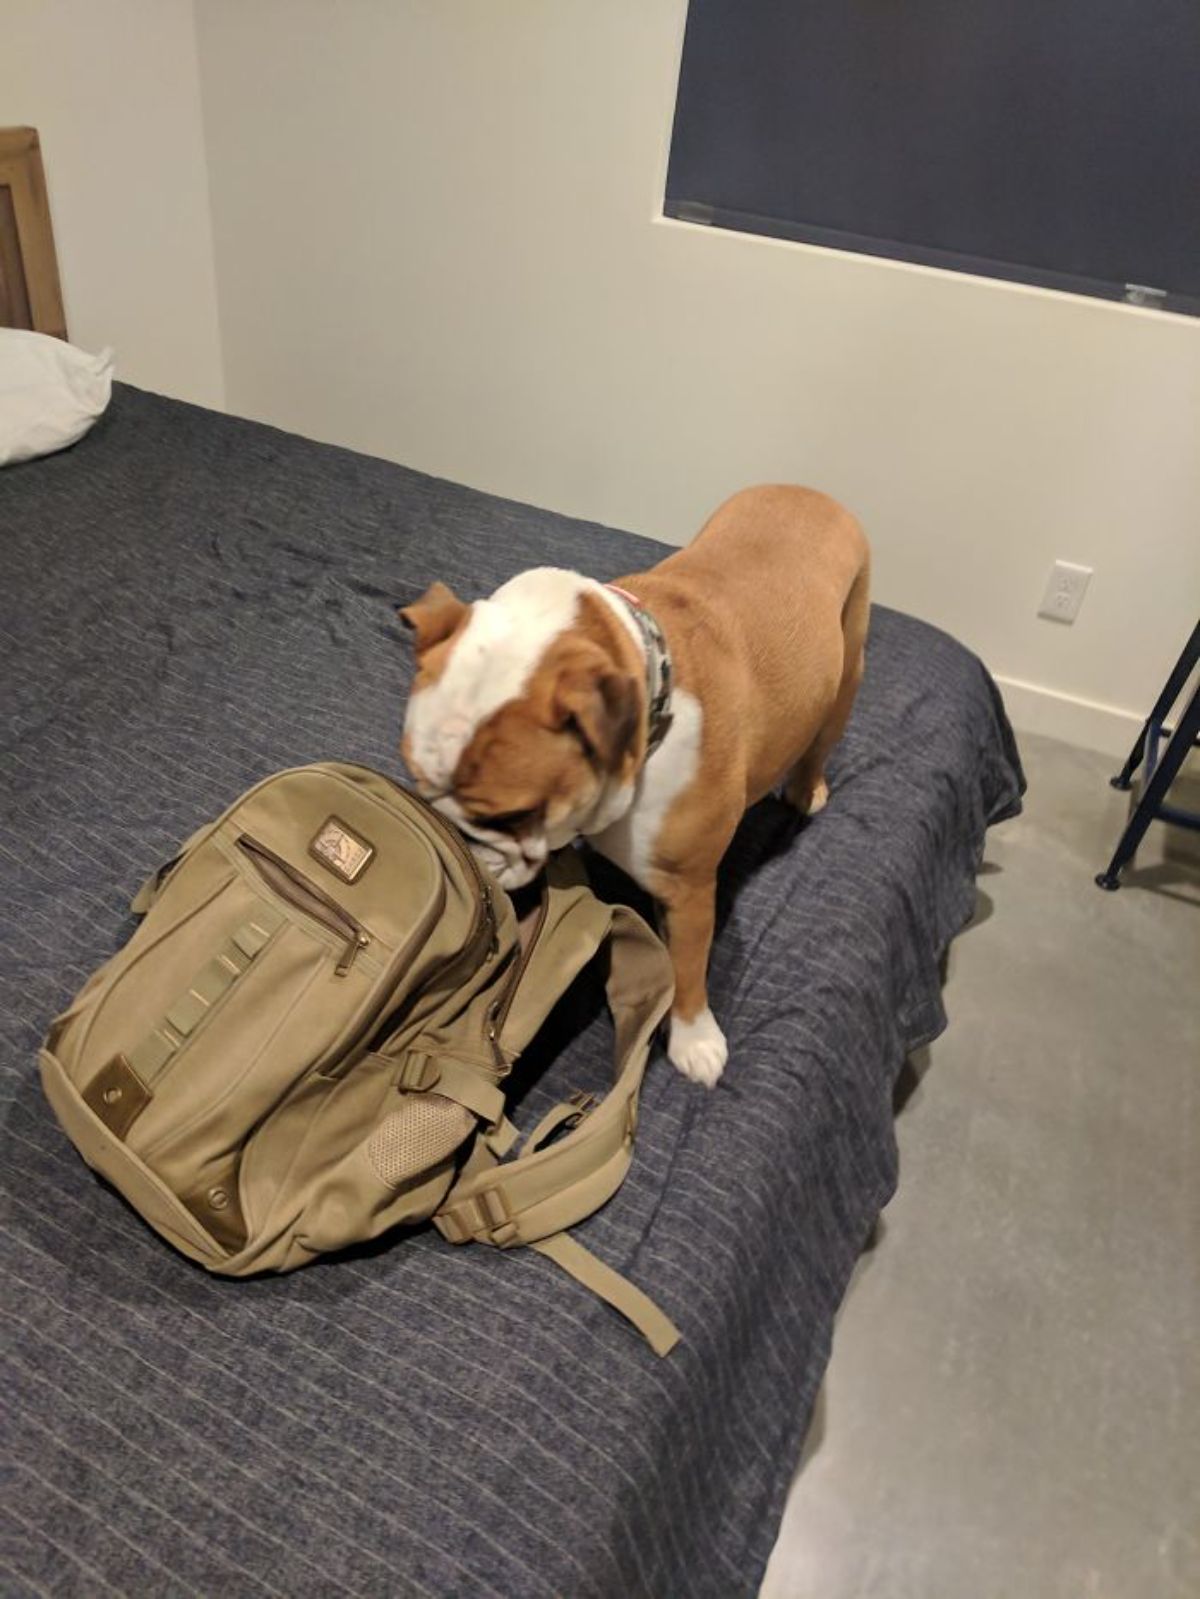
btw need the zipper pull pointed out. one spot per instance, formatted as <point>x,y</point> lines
<point>493,948</point>
<point>492,1033</point>
<point>359,941</point>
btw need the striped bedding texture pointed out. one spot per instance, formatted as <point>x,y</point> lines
<point>191,601</point>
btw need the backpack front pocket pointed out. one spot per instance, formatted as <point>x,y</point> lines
<point>199,1036</point>
<point>302,894</point>
<point>309,996</point>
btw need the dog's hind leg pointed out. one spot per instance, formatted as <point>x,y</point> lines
<point>805,786</point>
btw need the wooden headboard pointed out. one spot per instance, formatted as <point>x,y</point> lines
<point>30,296</point>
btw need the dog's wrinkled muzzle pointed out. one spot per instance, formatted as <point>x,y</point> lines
<point>508,863</point>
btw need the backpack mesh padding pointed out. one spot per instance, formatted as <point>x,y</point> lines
<point>425,1130</point>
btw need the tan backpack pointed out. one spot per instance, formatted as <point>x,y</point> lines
<point>305,1041</point>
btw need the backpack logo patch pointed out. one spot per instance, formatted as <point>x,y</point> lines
<point>346,853</point>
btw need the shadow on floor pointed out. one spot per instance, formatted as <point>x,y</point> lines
<point>1173,879</point>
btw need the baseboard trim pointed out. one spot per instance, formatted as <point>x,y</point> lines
<point>1086,723</point>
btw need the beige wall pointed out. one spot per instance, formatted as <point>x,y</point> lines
<point>112,87</point>
<point>436,240</point>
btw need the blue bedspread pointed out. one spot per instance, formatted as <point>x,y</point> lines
<point>189,602</point>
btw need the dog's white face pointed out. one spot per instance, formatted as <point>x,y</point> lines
<point>525,723</point>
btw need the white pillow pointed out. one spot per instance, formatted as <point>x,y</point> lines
<point>50,393</point>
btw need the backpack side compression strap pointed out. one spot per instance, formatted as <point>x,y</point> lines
<point>534,1198</point>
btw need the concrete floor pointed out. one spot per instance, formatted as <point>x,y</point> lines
<point>1012,1410</point>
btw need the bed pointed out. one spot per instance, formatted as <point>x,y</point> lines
<point>191,601</point>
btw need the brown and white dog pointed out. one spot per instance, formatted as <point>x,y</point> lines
<point>647,715</point>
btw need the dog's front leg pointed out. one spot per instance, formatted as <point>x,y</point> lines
<point>697,1045</point>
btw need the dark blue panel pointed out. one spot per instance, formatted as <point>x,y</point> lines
<point>1053,140</point>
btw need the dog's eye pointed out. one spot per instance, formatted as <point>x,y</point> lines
<point>509,821</point>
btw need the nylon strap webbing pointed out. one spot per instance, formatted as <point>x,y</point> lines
<point>151,1053</point>
<point>659,1331</point>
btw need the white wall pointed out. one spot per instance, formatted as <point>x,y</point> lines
<point>436,240</point>
<point>113,90</point>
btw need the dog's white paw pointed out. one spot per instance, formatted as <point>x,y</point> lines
<point>820,797</point>
<point>698,1048</point>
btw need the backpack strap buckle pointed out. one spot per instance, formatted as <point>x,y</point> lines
<point>416,1072</point>
<point>463,1081</point>
<point>484,1218</point>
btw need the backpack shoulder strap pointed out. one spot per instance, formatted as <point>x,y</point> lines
<point>547,1188</point>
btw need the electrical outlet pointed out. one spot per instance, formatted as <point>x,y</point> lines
<point>1065,589</point>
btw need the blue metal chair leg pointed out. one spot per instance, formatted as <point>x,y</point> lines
<point>1180,673</point>
<point>1151,802</point>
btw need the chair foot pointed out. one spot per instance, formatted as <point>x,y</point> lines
<point>1108,880</point>
<point>1123,783</point>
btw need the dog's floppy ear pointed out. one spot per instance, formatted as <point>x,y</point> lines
<point>602,706</point>
<point>433,617</point>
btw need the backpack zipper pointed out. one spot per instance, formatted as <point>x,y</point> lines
<point>306,896</point>
<point>497,1014</point>
<point>291,885</point>
<point>483,892</point>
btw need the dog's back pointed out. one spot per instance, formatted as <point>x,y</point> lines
<point>771,598</point>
